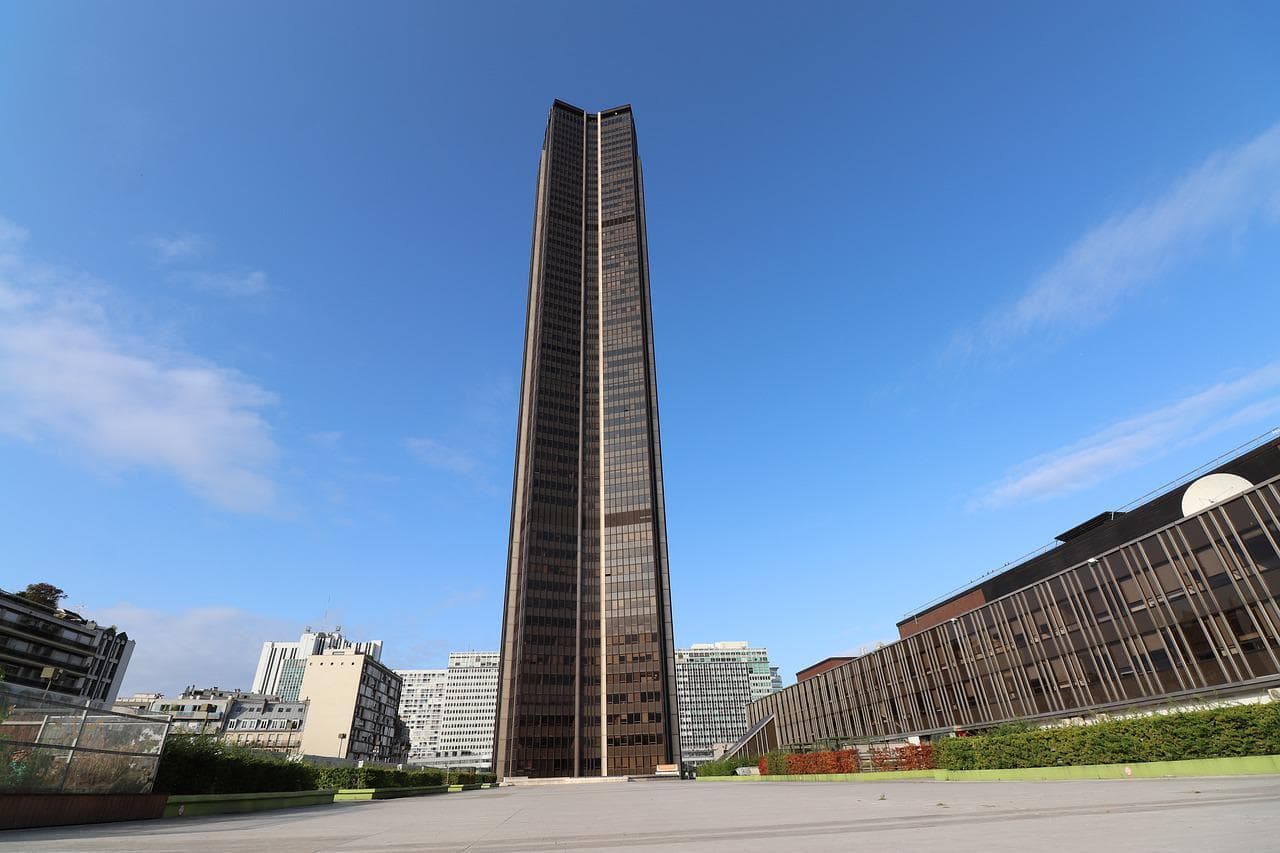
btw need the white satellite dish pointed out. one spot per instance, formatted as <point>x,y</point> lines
<point>1211,489</point>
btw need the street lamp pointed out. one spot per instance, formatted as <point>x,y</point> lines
<point>341,737</point>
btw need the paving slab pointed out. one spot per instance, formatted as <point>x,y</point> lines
<point>1219,814</point>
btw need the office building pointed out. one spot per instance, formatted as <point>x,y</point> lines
<point>716,682</point>
<point>61,652</point>
<point>353,708</point>
<point>450,712</point>
<point>470,709</point>
<point>421,706</point>
<point>281,664</point>
<point>1174,601</point>
<point>587,684</point>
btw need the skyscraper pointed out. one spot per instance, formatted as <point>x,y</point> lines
<point>587,684</point>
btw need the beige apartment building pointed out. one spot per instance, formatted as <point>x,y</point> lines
<point>353,702</point>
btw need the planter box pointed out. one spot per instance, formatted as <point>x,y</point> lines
<point>346,795</point>
<point>1253,765</point>
<point>18,811</point>
<point>190,805</point>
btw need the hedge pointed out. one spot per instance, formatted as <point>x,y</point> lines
<point>883,758</point>
<point>1230,732</point>
<point>839,761</point>
<point>205,765</point>
<point>726,766</point>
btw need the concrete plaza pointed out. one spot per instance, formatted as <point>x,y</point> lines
<point>1219,814</point>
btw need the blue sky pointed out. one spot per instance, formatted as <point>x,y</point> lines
<point>931,284</point>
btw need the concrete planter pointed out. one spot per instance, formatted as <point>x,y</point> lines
<point>191,805</point>
<point>473,787</point>
<point>346,795</point>
<point>1253,765</point>
<point>20,811</point>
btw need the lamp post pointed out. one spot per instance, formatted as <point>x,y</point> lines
<point>341,737</point>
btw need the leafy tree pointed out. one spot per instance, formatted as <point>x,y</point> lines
<point>45,594</point>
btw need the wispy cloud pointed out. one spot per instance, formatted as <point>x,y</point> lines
<point>242,283</point>
<point>174,649</point>
<point>182,250</point>
<point>326,440</point>
<point>440,455</point>
<point>1250,399</point>
<point>186,246</point>
<point>70,376</point>
<point>1228,191</point>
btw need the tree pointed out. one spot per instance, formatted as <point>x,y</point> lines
<point>45,594</point>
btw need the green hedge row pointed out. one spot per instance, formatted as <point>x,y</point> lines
<point>726,766</point>
<point>1218,733</point>
<point>205,765</point>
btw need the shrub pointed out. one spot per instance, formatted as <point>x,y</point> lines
<point>203,765</point>
<point>882,758</point>
<point>773,763</point>
<point>377,777</point>
<point>1217,733</point>
<point>726,766</point>
<point>914,757</point>
<point>838,761</point>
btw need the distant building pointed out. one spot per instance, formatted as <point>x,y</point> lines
<point>61,651</point>
<point>281,664</point>
<point>421,706</point>
<point>354,701</point>
<point>138,703</point>
<point>236,717</point>
<point>197,710</point>
<point>715,683</point>
<point>451,712</point>
<point>266,723</point>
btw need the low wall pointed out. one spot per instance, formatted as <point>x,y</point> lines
<point>1254,765</point>
<point>346,795</point>
<point>191,805</point>
<point>870,776</point>
<point>18,811</point>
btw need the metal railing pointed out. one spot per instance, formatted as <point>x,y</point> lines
<point>58,745</point>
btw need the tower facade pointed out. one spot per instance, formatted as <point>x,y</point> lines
<point>587,678</point>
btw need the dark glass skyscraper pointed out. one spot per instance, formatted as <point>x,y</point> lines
<point>587,684</point>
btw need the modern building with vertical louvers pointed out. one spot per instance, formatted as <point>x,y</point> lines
<point>587,678</point>
<point>1171,602</point>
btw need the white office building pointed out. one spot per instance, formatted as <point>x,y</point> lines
<point>421,704</point>
<point>451,712</point>
<point>281,665</point>
<point>715,682</point>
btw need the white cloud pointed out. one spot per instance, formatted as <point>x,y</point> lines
<point>186,246</point>
<point>244,283</point>
<point>68,375</point>
<point>326,440</point>
<point>439,455</point>
<point>1228,191</point>
<point>205,646</point>
<point>1129,443</point>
